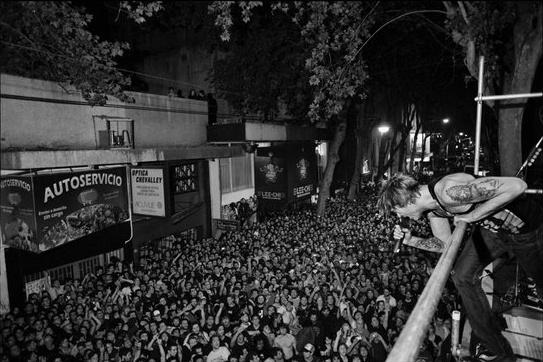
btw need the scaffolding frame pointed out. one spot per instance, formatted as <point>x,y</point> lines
<point>480,99</point>
<point>407,345</point>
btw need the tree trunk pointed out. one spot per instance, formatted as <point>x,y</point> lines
<point>399,147</point>
<point>359,134</point>
<point>401,156</point>
<point>390,149</point>
<point>333,158</point>
<point>528,51</point>
<point>381,158</point>
<point>414,147</point>
<point>355,178</point>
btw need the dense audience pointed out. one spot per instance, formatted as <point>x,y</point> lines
<point>293,287</point>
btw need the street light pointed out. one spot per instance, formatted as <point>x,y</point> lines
<point>383,129</point>
<point>446,120</point>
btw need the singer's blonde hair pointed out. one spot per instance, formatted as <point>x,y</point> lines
<point>399,191</point>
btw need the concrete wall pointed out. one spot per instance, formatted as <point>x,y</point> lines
<point>37,114</point>
<point>187,67</point>
<point>215,188</point>
<point>235,196</point>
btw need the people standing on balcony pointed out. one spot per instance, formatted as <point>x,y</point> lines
<point>192,94</point>
<point>504,220</point>
<point>171,92</point>
<point>180,93</point>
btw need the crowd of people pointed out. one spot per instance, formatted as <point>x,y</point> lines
<point>193,94</point>
<point>243,211</point>
<point>201,95</point>
<point>290,288</point>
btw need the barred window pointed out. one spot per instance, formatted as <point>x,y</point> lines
<point>236,173</point>
<point>185,178</point>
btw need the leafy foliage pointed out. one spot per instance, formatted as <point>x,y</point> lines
<point>264,68</point>
<point>488,25</point>
<point>334,33</point>
<point>139,11</point>
<point>49,40</point>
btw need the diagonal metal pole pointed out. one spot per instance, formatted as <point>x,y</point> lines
<point>407,345</point>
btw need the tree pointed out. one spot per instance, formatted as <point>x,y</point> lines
<point>334,33</point>
<point>412,67</point>
<point>510,36</point>
<point>50,40</point>
<point>263,67</point>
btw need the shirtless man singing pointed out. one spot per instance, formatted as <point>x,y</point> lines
<point>505,220</point>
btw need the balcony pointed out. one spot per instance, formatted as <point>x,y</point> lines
<point>44,126</point>
<point>254,131</point>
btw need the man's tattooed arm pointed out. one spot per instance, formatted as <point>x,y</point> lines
<point>475,191</point>
<point>490,193</point>
<point>429,244</point>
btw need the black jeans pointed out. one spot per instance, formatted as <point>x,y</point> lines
<point>528,249</point>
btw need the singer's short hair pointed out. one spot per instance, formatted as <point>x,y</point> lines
<point>399,191</point>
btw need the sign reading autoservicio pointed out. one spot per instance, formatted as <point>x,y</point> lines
<point>148,195</point>
<point>61,207</point>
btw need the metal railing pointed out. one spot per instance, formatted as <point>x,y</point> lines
<point>407,345</point>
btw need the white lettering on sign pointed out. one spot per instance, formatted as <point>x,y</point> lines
<point>15,183</point>
<point>270,195</point>
<point>75,182</point>
<point>301,191</point>
<point>148,191</point>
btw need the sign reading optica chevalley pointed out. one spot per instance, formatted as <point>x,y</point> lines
<point>148,196</point>
<point>61,207</point>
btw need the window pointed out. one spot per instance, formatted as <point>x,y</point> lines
<point>236,173</point>
<point>185,178</point>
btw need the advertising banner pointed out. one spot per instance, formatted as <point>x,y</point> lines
<point>270,178</point>
<point>17,217</point>
<point>36,286</point>
<point>69,206</point>
<point>302,171</point>
<point>227,225</point>
<point>148,196</point>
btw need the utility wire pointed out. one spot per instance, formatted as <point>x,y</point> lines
<point>107,66</point>
<point>145,75</point>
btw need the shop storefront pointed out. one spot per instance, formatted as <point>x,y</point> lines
<point>53,219</point>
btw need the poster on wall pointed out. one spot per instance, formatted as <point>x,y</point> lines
<point>69,206</point>
<point>227,225</point>
<point>148,195</point>
<point>37,286</point>
<point>17,213</point>
<point>270,177</point>
<point>302,172</point>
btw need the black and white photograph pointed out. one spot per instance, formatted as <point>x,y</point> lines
<point>271,181</point>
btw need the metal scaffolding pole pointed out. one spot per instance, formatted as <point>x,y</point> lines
<point>480,99</point>
<point>510,96</point>
<point>479,116</point>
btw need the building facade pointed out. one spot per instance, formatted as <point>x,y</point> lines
<point>48,131</point>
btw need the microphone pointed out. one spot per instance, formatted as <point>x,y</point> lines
<point>404,223</point>
<point>397,245</point>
